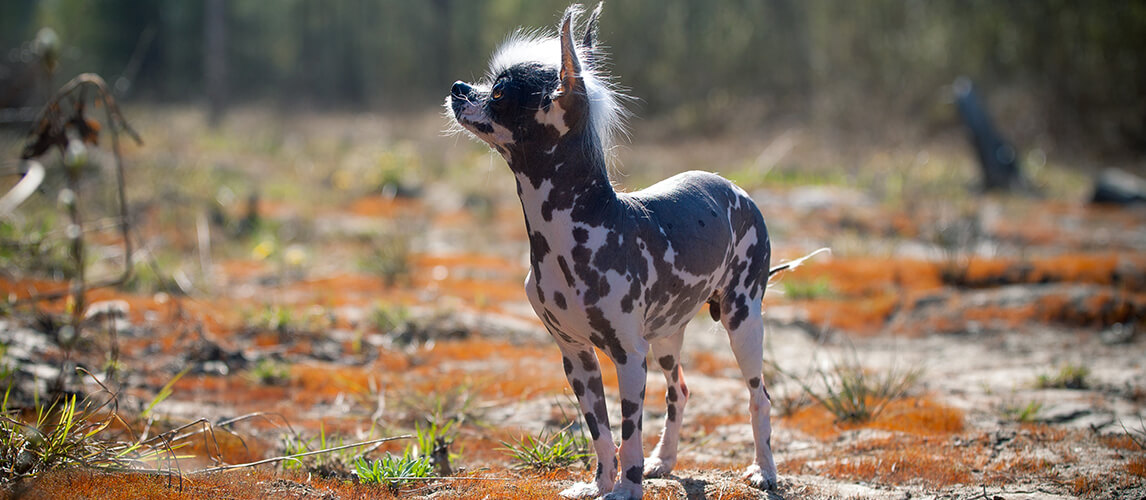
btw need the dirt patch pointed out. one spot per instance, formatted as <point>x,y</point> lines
<point>351,312</point>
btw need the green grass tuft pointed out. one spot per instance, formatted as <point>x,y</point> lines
<point>1022,413</point>
<point>392,471</point>
<point>1069,376</point>
<point>855,394</point>
<point>557,451</point>
<point>807,290</point>
<point>270,372</point>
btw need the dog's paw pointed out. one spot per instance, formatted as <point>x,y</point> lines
<point>624,493</point>
<point>759,478</point>
<point>581,490</point>
<point>657,467</point>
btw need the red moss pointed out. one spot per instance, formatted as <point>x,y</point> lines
<point>914,463</point>
<point>1096,269</point>
<point>861,315</point>
<point>920,417</point>
<point>860,276</point>
<point>1137,466</point>
<point>710,364</point>
<point>914,416</point>
<point>379,206</point>
<point>1012,470</point>
<point>1119,442</point>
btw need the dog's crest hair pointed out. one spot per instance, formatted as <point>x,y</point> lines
<point>607,113</point>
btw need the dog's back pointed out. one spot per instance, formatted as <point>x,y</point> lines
<point>710,228</point>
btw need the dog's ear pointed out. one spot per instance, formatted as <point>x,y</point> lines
<point>590,40</point>
<point>571,95</point>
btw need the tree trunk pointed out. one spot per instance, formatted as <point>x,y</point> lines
<point>215,59</point>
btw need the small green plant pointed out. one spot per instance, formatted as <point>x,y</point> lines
<point>392,471</point>
<point>557,451</point>
<point>388,317</point>
<point>1069,376</point>
<point>272,319</point>
<point>1023,413</point>
<point>73,431</point>
<point>164,393</point>
<point>57,437</point>
<point>389,256</point>
<point>6,369</point>
<point>429,437</point>
<point>855,394</point>
<point>456,404</point>
<point>31,248</point>
<point>270,372</point>
<point>807,290</point>
<point>336,461</point>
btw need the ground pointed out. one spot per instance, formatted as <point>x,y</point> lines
<point>359,276</point>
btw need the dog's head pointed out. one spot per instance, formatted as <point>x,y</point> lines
<point>541,90</point>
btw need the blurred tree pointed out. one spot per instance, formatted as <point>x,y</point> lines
<point>215,59</point>
<point>1077,66</point>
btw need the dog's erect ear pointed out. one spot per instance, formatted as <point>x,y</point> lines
<point>590,40</point>
<point>571,96</point>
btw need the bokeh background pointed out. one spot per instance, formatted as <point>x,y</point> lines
<point>1065,75</point>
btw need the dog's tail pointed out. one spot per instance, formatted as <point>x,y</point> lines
<point>796,263</point>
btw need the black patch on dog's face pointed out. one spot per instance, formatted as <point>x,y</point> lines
<point>511,100</point>
<point>526,88</point>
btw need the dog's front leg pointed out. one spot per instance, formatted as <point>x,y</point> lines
<point>631,378</point>
<point>584,375</point>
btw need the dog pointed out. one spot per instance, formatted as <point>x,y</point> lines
<point>622,272</point>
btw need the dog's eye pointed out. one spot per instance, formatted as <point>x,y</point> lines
<point>498,92</point>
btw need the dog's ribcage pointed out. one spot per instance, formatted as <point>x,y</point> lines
<point>618,269</point>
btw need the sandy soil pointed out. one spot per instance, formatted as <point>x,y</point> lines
<point>985,300</point>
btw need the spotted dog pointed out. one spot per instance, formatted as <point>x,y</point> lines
<point>623,272</point>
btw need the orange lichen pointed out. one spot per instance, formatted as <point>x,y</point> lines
<point>920,417</point>
<point>1119,442</point>
<point>1095,269</point>
<point>709,363</point>
<point>921,462</point>
<point>863,315</point>
<point>709,422</point>
<point>1137,466</point>
<point>380,206</point>
<point>915,416</point>
<point>1011,470</point>
<point>816,421</point>
<point>1101,486</point>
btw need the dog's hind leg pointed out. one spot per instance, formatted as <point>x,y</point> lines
<point>666,353</point>
<point>584,375</point>
<point>746,334</point>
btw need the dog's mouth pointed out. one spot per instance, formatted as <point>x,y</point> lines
<point>469,116</point>
<point>467,112</point>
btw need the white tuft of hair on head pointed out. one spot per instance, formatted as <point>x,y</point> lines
<point>607,113</point>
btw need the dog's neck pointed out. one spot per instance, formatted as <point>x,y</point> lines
<point>572,175</point>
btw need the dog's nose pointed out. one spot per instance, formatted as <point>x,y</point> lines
<point>460,90</point>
